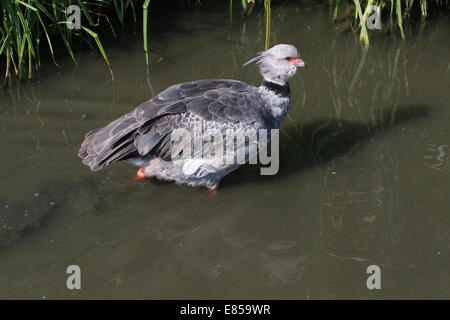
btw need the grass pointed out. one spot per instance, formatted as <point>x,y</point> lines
<point>25,24</point>
<point>267,10</point>
<point>395,11</point>
<point>145,27</point>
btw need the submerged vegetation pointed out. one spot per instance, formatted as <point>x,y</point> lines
<point>26,24</point>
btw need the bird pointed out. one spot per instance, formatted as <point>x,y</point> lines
<point>145,137</point>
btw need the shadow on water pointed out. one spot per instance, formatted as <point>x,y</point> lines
<point>22,215</point>
<point>305,145</point>
<point>302,146</point>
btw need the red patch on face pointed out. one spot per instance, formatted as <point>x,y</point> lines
<point>296,62</point>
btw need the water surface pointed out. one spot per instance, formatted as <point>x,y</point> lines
<point>364,176</point>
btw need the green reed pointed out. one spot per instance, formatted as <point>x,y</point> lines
<point>28,24</point>
<point>267,10</point>
<point>396,11</point>
<point>25,23</point>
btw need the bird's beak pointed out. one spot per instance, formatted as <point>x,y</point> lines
<point>299,63</point>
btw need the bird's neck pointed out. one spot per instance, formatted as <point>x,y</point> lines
<point>277,98</point>
<point>281,90</point>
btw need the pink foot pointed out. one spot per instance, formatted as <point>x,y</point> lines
<point>213,193</point>
<point>139,175</point>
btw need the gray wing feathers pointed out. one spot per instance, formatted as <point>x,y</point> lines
<point>147,129</point>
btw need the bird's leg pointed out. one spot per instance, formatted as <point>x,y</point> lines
<point>139,175</point>
<point>213,193</point>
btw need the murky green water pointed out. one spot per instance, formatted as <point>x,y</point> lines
<point>364,177</point>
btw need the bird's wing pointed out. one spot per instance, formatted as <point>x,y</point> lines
<point>148,128</point>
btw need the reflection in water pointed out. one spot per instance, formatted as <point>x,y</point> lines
<point>364,173</point>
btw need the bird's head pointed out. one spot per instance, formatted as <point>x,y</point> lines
<point>279,63</point>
